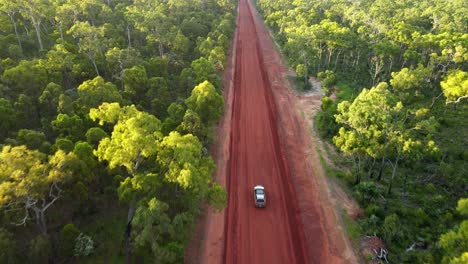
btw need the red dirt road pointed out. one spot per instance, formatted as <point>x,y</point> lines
<point>263,138</point>
<point>274,234</point>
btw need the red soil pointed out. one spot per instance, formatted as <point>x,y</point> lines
<point>274,234</point>
<point>263,141</point>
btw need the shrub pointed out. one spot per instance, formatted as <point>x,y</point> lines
<point>329,80</point>
<point>325,121</point>
<point>8,247</point>
<point>365,192</point>
<point>39,250</point>
<point>84,245</point>
<point>391,228</point>
<point>68,236</point>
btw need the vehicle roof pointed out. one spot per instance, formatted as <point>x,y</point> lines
<point>259,187</point>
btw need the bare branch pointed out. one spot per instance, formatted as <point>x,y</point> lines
<point>458,100</point>
<point>25,218</point>
<point>52,194</point>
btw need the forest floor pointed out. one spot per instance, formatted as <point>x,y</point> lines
<point>264,138</point>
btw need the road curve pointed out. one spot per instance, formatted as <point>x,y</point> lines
<point>274,234</point>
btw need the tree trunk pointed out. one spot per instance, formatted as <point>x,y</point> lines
<point>128,231</point>
<point>357,62</point>
<point>40,220</point>
<point>161,49</point>
<point>61,30</point>
<point>371,171</point>
<point>381,169</point>
<point>404,183</point>
<point>129,37</point>
<point>94,64</point>
<point>336,60</point>
<point>306,72</point>
<point>319,59</point>
<point>395,167</point>
<point>131,213</point>
<point>37,25</point>
<point>390,68</point>
<point>358,173</point>
<point>11,15</point>
<point>330,54</point>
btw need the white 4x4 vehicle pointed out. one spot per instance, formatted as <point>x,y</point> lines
<point>259,196</point>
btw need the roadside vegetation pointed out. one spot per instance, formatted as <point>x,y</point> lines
<point>397,73</point>
<point>106,113</point>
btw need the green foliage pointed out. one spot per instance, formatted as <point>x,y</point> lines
<point>84,151</point>
<point>8,246</point>
<point>181,156</point>
<point>27,77</point>
<point>68,126</point>
<point>93,93</point>
<point>455,242</point>
<point>460,260</point>
<point>135,81</point>
<point>60,59</point>
<point>7,115</point>
<point>325,119</point>
<point>26,177</point>
<point>192,124</point>
<point>84,245</point>
<point>391,228</point>
<point>398,137</point>
<point>68,237</point>
<point>18,166</point>
<point>175,114</point>
<point>135,133</point>
<point>217,197</point>
<point>95,134</point>
<point>300,70</point>
<point>206,102</point>
<point>455,86</point>
<point>328,79</point>
<point>410,84</point>
<point>152,219</point>
<point>462,206</point>
<point>40,249</point>
<point>64,144</point>
<point>366,192</point>
<point>205,71</point>
<point>48,100</point>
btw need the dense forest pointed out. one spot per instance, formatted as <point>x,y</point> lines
<point>394,76</point>
<point>106,113</point>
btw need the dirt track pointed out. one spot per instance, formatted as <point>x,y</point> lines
<point>263,139</point>
<point>252,234</point>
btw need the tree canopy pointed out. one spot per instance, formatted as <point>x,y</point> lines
<point>94,96</point>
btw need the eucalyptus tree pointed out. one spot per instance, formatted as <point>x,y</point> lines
<point>7,115</point>
<point>454,243</point>
<point>30,183</point>
<point>375,124</point>
<point>150,18</point>
<point>28,77</point>
<point>181,162</point>
<point>150,159</point>
<point>455,86</point>
<point>134,139</point>
<point>36,11</point>
<point>92,93</point>
<point>11,9</point>
<point>206,102</point>
<point>120,59</point>
<point>90,40</point>
<point>48,100</point>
